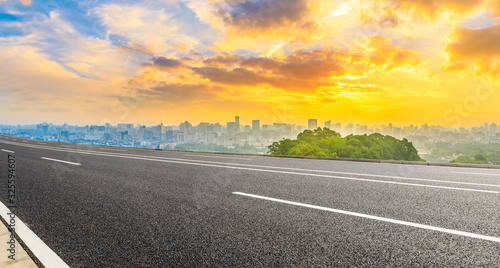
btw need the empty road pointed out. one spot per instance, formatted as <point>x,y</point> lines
<point>98,206</point>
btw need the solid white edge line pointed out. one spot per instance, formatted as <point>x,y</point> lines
<point>12,152</point>
<point>62,161</point>
<point>209,156</point>
<point>255,169</point>
<point>121,150</point>
<point>472,173</point>
<point>41,251</point>
<point>366,216</point>
<point>327,171</point>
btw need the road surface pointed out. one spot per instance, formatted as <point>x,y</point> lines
<point>98,206</point>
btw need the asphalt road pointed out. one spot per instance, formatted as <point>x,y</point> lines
<point>123,207</point>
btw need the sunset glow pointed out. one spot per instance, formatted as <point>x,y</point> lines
<point>360,61</point>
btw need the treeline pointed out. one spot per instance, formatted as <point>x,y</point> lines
<point>328,143</point>
<point>466,153</point>
<point>246,149</point>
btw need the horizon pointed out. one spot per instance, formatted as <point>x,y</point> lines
<point>320,124</point>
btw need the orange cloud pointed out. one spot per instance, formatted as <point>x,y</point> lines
<point>300,71</point>
<point>24,2</point>
<point>477,48</point>
<point>137,47</point>
<point>384,12</point>
<point>388,57</point>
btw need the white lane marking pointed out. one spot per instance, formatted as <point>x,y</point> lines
<point>42,252</point>
<point>24,141</point>
<point>159,159</point>
<point>57,160</point>
<point>238,158</point>
<point>41,143</point>
<point>326,171</point>
<point>113,149</point>
<point>366,216</point>
<point>472,173</point>
<point>72,146</point>
<point>14,139</point>
<point>7,151</point>
<point>293,173</point>
<point>332,172</point>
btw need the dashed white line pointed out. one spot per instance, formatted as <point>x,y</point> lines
<point>209,156</point>
<point>71,146</point>
<point>366,216</point>
<point>471,173</point>
<point>42,252</point>
<point>182,161</point>
<point>7,151</point>
<point>62,161</point>
<point>41,143</point>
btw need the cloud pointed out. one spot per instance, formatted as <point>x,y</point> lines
<point>166,64</point>
<point>235,77</point>
<point>383,54</point>
<point>24,2</point>
<point>306,70</point>
<point>146,25</point>
<point>223,60</point>
<point>494,5</point>
<point>185,93</point>
<point>384,12</point>
<point>265,20</point>
<point>263,14</point>
<point>136,47</point>
<point>477,48</point>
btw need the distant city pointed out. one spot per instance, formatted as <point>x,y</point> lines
<point>234,134</point>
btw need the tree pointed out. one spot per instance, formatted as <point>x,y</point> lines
<point>282,147</point>
<point>325,133</point>
<point>481,158</point>
<point>305,149</point>
<point>306,137</point>
<point>326,142</point>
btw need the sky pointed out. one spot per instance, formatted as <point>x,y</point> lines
<point>145,61</point>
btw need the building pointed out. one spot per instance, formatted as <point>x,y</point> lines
<point>328,124</point>
<point>493,129</point>
<point>255,125</point>
<point>231,128</point>
<point>237,123</point>
<point>185,127</point>
<point>313,123</point>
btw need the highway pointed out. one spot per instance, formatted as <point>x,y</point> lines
<point>98,206</point>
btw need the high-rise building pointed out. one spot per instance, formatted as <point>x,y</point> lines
<point>255,125</point>
<point>237,123</point>
<point>493,129</point>
<point>313,123</point>
<point>231,128</point>
<point>328,124</point>
<point>185,127</point>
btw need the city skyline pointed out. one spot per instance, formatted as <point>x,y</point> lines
<point>364,61</point>
<point>251,122</point>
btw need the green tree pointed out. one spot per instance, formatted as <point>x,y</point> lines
<point>481,158</point>
<point>306,149</point>
<point>326,142</point>
<point>282,147</point>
